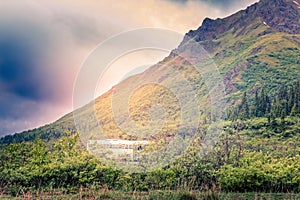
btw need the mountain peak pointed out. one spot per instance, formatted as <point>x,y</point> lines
<point>278,15</point>
<point>281,15</point>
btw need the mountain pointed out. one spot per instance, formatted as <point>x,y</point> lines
<point>255,48</point>
<point>279,15</point>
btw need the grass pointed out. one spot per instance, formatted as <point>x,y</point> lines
<point>152,195</point>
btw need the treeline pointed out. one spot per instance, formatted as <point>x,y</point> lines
<point>46,133</point>
<point>285,103</point>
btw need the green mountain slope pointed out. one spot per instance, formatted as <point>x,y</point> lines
<point>253,49</point>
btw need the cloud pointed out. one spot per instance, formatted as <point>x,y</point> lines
<point>18,113</point>
<point>29,86</point>
<point>19,60</point>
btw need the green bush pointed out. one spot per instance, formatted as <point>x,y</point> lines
<point>259,172</point>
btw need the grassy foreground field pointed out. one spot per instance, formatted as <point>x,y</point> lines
<point>156,194</point>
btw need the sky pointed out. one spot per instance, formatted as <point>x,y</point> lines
<point>43,44</point>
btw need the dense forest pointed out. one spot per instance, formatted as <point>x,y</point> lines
<point>285,102</point>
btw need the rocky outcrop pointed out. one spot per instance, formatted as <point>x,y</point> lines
<point>278,15</point>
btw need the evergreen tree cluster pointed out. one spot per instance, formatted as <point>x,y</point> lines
<point>284,103</point>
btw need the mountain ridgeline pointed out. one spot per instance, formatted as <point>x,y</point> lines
<point>256,51</point>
